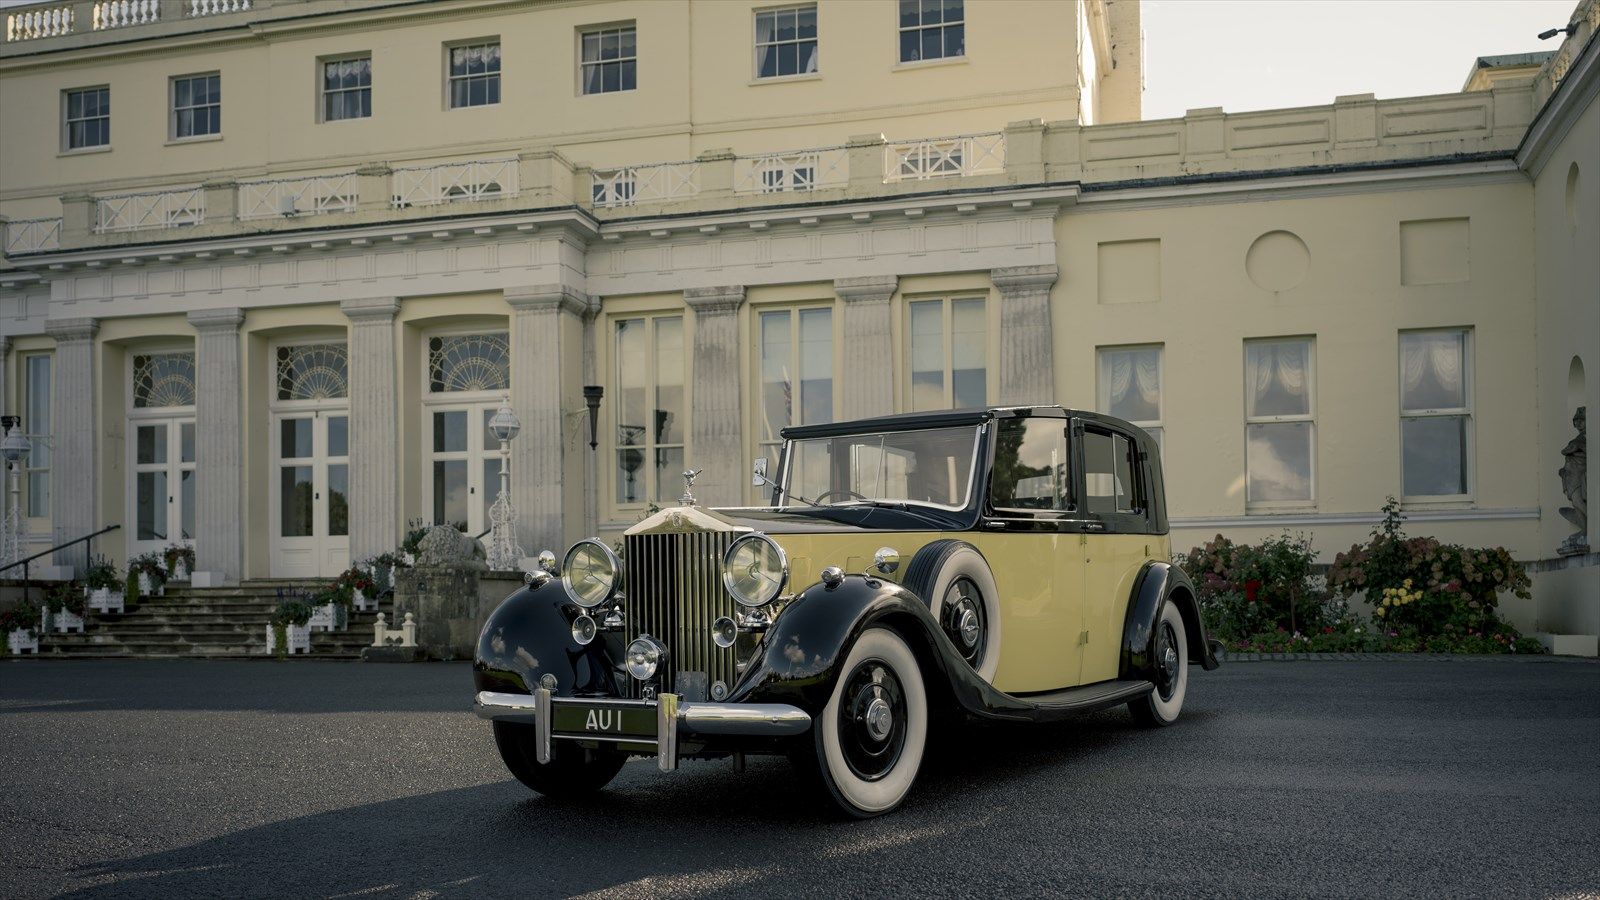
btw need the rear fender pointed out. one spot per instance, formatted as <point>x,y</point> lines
<point>1160,582</point>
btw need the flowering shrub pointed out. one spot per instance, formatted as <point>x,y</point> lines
<point>1245,588</point>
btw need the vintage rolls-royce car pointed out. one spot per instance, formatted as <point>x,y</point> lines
<point>992,564</point>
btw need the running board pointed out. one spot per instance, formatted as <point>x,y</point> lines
<point>1087,698</point>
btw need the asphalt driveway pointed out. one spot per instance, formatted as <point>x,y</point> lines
<point>1422,777</point>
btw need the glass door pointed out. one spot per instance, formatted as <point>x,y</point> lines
<point>311,487</point>
<point>463,466</point>
<point>163,484</point>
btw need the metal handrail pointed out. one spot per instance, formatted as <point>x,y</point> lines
<point>83,540</point>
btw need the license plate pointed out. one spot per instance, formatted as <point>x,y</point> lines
<point>604,720</point>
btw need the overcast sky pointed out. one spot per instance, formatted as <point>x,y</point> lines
<point>1263,54</point>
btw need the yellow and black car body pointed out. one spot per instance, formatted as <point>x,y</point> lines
<point>1031,582</point>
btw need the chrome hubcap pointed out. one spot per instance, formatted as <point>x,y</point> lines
<point>969,628</point>
<point>872,719</point>
<point>962,618</point>
<point>880,719</point>
<point>1168,663</point>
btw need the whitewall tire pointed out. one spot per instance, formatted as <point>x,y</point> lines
<point>965,602</point>
<point>1161,706</point>
<point>871,735</point>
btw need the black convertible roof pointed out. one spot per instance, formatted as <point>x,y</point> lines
<point>942,418</point>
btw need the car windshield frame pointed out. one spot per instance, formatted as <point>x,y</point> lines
<point>970,491</point>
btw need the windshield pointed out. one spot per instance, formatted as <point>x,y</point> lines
<point>931,466</point>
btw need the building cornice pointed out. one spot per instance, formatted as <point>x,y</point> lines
<point>75,329</point>
<point>1556,119</point>
<point>228,318</point>
<point>707,301</point>
<point>370,309</point>
<point>559,297</point>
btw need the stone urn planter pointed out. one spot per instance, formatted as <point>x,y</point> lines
<point>328,617</point>
<point>298,638</point>
<point>104,600</point>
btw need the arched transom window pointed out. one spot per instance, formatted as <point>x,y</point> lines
<point>162,380</point>
<point>313,372</point>
<point>469,362</point>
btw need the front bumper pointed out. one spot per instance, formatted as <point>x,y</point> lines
<point>672,719</point>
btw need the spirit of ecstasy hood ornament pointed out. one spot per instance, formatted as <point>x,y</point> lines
<point>689,475</point>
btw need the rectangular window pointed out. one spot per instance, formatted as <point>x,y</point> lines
<point>1109,485</point>
<point>948,354</point>
<point>932,29</point>
<point>196,105</point>
<point>474,75</point>
<point>1030,465</point>
<point>795,378</point>
<point>650,409</point>
<point>786,41</point>
<point>86,120</point>
<point>347,89</point>
<point>609,60</point>
<point>1435,413</point>
<point>36,422</point>
<point>1280,421</point>
<point>1130,386</point>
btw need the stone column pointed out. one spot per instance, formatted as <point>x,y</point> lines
<point>868,377</point>
<point>73,490</point>
<point>374,427</point>
<point>716,431</point>
<point>1027,367</point>
<point>543,317</point>
<point>219,444</point>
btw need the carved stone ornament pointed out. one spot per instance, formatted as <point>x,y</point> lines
<point>1575,484</point>
<point>445,547</point>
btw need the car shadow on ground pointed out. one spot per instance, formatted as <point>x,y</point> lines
<point>687,832</point>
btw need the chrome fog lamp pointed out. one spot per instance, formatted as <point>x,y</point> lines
<point>754,570</point>
<point>724,632</point>
<point>590,573</point>
<point>583,630</point>
<point>644,657</point>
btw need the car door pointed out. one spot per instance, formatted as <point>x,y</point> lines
<point>1116,502</point>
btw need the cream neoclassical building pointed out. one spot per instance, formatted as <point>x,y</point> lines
<point>269,266</point>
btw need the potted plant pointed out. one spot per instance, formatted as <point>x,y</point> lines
<point>102,587</point>
<point>147,576</point>
<point>180,561</point>
<point>65,608</point>
<point>355,586</point>
<point>21,627</point>
<point>329,611</point>
<point>289,631</point>
<point>411,544</point>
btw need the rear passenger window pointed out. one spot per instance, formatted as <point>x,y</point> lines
<point>1108,474</point>
<point>1030,465</point>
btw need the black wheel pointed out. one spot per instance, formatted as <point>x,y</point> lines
<point>869,740</point>
<point>571,772</point>
<point>1161,706</point>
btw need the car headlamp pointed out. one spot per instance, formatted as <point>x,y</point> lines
<point>644,657</point>
<point>754,570</point>
<point>590,573</point>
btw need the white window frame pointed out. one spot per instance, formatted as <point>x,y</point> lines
<point>1468,383</point>
<point>475,403</point>
<point>39,437</point>
<point>174,418</point>
<point>323,91</point>
<point>773,448</point>
<point>174,109</point>
<point>450,78</point>
<point>947,354</point>
<point>599,32</point>
<point>756,43</point>
<point>67,121</point>
<point>620,510</point>
<point>919,28</point>
<point>1103,388</point>
<point>1309,418</point>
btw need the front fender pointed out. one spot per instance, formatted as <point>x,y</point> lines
<point>1159,582</point>
<point>529,636</point>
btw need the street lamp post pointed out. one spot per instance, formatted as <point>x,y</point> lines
<point>15,447</point>
<point>504,551</point>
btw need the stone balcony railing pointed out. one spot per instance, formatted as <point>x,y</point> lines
<point>1357,131</point>
<point>58,19</point>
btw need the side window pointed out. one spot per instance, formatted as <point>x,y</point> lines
<point>1110,485</point>
<point>1030,465</point>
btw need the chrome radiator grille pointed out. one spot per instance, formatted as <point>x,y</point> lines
<point>673,584</point>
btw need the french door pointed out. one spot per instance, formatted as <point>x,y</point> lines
<point>163,483</point>
<point>463,465</point>
<point>310,491</point>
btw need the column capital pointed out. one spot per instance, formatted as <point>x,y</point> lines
<point>1019,279</point>
<point>213,320</point>
<point>5,345</point>
<point>558,297</point>
<point>370,308</point>
<point>74,329</point>
<point>707,301</point>
<point>866,287</point>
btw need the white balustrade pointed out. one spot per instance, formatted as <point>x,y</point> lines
<point>644,184</point>
<point>298,196</point>
<point>39,23</point>
<point>198,8</point>
<point>122,13</point>
<point>484,179</point>
<point>158,209</point>
<point>972,154</point>
<point>32,235</point>
<point>796,170</point>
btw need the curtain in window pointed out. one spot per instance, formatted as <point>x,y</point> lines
<point>1275,376</point>
<point>1438,355</point>
<point>1128,370</point>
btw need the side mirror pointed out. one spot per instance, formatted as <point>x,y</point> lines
<point>758,476</point>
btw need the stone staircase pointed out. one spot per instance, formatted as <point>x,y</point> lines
<point>206,623</point>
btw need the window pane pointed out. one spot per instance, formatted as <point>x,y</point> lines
<point>610,45</point>
<point>186,442</point>
<point>186,493</point>
<point>492,58</point>
<point>1277,378</point>
<point>339,499</point>
<point>458,61</point>
<point>808,57</point>
<point>338,436</point>
<point>150,505</point>
<point>1127,487</point>
<point>1433,370</point>
<point>450,492</point>
<point>1434,451</point>
<point>668,424</point>
<point>908,13</point>
<point>591,46</point>
<point>910,46</point>
<point>927,355</point>
<point>776,389</point>
<point>611,78</point>
<point>1278,461</point>
<point>786,25</point>
<point>806,23</point>
<point>669,470</point>
<point>491,486</point>
<point>38,411</point>
<point>930,44</point>
<point>1030,465</point>
<point>953,11</point>
<point>38,493</point>
<point>1099,473</point>
<point>182,92</point>
<point>968,357</point>
<point>450,431</point>
<point>930,12</point>
<point>955,40</point>
<point>816,366</point>
<point>151,444</point>
<point>1130,384</point>
<point>294,439</point>
<point>630,75</point>
<point>788,59</point>
<point>766,62</point>
<point>591,79</point>
<point>631,402</point>
<point>630,476</point>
